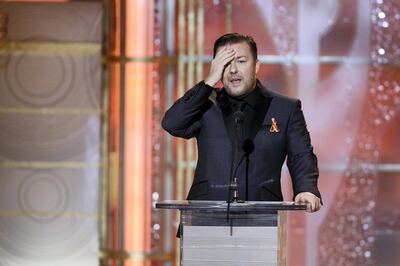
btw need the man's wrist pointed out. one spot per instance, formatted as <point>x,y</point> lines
<point>210,81</point>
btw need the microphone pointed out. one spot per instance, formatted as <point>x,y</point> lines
<point>248,148</point>
<point>238,117</point>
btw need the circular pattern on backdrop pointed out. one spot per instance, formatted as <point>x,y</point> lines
<point>92,79</point>
<point>36,238</point>
<point>43,196</point>
<point>45,23</point>
<point>21,138</point>
<point>4,60</point>
<point>40,80</point>
<point>33,237</point>
<point>92,65</point>
<point>40,138</point>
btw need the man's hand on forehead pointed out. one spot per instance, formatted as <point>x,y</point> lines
<point>222,58</point>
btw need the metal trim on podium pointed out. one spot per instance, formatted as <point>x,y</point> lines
<point>251,233</point>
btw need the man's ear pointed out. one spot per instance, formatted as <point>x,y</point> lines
<point>257,66</point>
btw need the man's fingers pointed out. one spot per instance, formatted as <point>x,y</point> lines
<point>318,205</point>
<point>311,206</point>
<point>223,58</point>
<point>224,52</point>
<point>226,58</point>
<point>300,199</point>
<point>314,203</point>
<point>224,55</point>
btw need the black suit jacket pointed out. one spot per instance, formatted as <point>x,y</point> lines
<point>197,114</point>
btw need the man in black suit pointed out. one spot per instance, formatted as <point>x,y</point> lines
<point>244,132</point>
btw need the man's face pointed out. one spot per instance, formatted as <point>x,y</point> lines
<point>239,77</point>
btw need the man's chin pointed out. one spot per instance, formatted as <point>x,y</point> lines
<point>235,91</point>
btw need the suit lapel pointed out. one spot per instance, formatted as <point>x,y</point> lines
<point>261,111</point>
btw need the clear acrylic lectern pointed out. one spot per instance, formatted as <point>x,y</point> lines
<point>218,233</point>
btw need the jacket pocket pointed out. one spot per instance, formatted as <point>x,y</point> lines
<point>198,189</point>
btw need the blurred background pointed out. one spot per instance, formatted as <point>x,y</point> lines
<point>84,85</point>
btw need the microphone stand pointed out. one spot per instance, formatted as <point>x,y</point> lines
<point>233,190</point>
<point>238,117</point>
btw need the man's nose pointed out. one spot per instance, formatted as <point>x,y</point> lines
<point>233,67</point>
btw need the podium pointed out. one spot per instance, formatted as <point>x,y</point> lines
<point>216,233</point>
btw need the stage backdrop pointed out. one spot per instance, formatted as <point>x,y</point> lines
<point>50,84</point>
<point>340,57</point>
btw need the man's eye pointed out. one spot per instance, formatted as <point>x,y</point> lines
<point>241,61</point>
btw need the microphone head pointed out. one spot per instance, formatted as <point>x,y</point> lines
<point>248,146</point>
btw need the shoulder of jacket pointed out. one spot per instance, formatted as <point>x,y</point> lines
<point>277,97</point>
<point>283,99</point>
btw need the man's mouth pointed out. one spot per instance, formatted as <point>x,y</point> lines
<point>235,81</point>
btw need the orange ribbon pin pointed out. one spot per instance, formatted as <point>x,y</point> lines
<point>274,126</point>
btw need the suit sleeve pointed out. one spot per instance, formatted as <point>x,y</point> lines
<point>301,161</point>
<point>183,118</point>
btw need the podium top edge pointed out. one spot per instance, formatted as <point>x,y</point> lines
<point>222,205</point>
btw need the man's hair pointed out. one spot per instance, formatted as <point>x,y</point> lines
<point>232,38</point>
